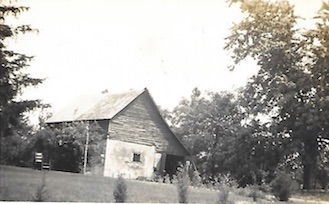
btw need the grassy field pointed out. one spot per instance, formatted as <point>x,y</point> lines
<point>20,184</point>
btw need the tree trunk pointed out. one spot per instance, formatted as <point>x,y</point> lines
<point>310,160</point>
<point>308,176</point>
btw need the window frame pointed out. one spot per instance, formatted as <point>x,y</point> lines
<point>137,157</point>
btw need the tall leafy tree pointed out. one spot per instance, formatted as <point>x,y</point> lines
<point>13,79</point>
<point>214,128</point>
<point>209,125</point>
<point>318,39</point>
<point>288,88</point>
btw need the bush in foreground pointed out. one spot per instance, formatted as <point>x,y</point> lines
<point>256,192</point>
<point>183,184</point>
<point>41,194</point>
<point>196,180</point>
<point>224,192</point>
<point>283,186</point>
<point>120,190</point>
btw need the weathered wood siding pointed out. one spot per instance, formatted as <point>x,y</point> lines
<point>141,123</point>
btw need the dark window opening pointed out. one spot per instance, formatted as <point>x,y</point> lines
<point>137,157</point>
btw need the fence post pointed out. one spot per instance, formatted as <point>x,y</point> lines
<point>86,152</point>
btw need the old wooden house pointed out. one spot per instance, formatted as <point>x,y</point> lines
<point>139,141</point>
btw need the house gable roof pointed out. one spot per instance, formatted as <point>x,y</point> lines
<point>105,107</point>
<point>95,107</point>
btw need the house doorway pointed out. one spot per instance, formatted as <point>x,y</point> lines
<point>172,163</point>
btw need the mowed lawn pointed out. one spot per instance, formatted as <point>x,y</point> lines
<point>20,184</point>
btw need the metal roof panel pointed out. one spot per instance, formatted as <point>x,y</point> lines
<point>95,107</point>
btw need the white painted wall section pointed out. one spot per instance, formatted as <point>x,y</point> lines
<point>119,159</point>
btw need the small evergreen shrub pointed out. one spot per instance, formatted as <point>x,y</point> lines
<point>225,184</point>
<point>196,180</point>
<point>166,178</point>
<point>224,193</point>
<point>157,177</point>
<point>283,186</point>
<point>41,194</point>
<point>120,190</point>
<point>174,179</point>
<point>255,193</point>
<point>227,180</point>
<point>265,188</point>
<point>246,191</point>
<point>183,184</point>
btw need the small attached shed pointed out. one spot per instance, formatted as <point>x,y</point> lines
<point>139,141</point>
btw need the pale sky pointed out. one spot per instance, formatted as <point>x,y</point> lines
<point>168,46</point>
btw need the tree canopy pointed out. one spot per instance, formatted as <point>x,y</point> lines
<point>279,120</point>
<point>13,77</point>
<point>291,84</point>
